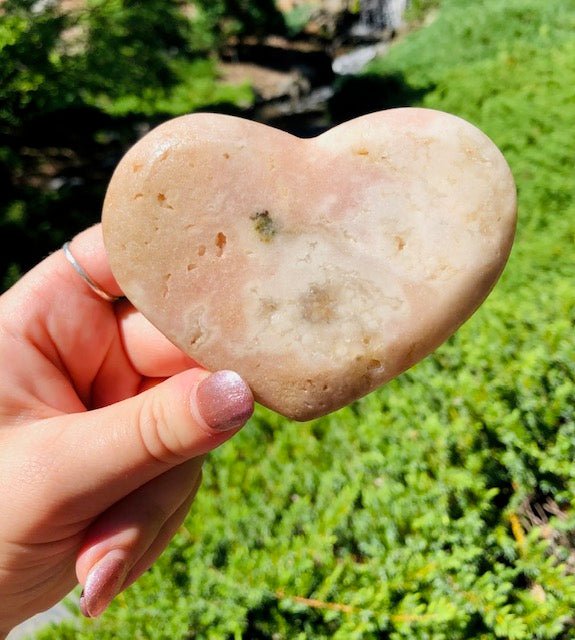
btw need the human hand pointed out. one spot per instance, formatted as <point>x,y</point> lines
<point>104,426</point>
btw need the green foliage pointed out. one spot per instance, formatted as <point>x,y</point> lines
<point>30,64</point>
<point>148,38</point>
<point>298,17</point>
<point>417,10</point>
<point>136,53</point>
<point>241,17</point>
<point>441,506</point>
<point>467,32</point>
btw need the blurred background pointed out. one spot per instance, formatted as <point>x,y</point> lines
<point>437,508</point>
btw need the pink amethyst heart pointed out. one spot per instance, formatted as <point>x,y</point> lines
<point>318,269</point>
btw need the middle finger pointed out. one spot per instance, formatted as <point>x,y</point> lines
<point>151,354</point>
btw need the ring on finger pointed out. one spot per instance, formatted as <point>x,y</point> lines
<point>96,288</point>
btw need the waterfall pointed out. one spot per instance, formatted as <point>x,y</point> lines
<point>376,15</point>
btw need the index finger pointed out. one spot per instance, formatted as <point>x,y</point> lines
<point>89,251</point>
<point>150,353</point>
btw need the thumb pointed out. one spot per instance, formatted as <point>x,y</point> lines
<point>99,456</point>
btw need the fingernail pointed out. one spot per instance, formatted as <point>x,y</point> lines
<point>103,584</point>
<point>224,401</point>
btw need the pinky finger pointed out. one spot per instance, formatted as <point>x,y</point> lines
<point>110,577</point>
<point>165,535</point>
<point>132,533</point>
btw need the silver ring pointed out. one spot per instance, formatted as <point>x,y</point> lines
<point>93,285</point>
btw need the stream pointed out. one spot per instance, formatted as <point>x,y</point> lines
<point>303,86</point>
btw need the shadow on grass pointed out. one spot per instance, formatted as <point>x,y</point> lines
<point>358,95</point>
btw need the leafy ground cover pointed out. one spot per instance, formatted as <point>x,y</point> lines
<point>439,507</point>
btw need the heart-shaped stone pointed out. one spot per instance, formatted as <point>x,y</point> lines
<point>317,269</point>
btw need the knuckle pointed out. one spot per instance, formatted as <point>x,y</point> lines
<point>158,434</point>
<point>153,515</point>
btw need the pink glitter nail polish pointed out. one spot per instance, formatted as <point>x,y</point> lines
<point>103,584</point>
<point>224,401</point>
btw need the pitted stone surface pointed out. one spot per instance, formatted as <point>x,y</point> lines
<point>317,269</point>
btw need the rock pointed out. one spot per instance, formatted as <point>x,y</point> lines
<point>318,269</point>
<point>267,84</point>
<point>354,61</point>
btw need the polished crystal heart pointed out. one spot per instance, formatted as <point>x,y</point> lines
<point>318,269</point>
